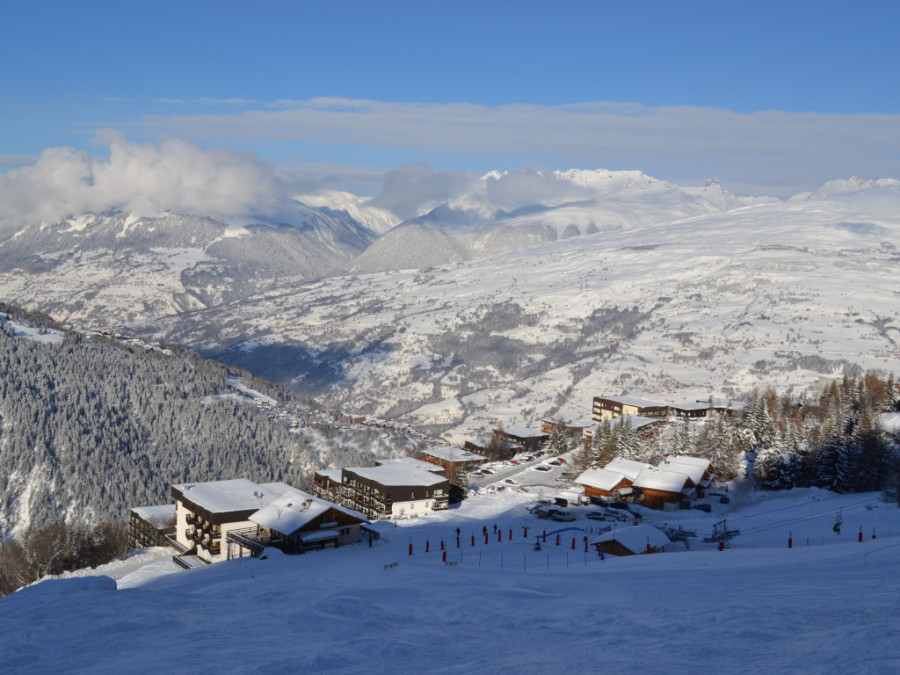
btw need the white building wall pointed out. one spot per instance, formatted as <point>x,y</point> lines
<point>418,507</point>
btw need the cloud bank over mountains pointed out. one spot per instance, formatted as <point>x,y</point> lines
<point>181,175</point>
<point>140,178</point>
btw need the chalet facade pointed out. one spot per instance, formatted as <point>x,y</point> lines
<point>609,407</point>
<point>393,489</point>
<point>699,470</point>
<point>151,525</point>
<point>220,520</point>
<point>297,522</point>
<point>663,488</point>
<point>604,483</point>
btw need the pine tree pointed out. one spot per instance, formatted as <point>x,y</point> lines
<point>559,440</point>
<point>459,485</point>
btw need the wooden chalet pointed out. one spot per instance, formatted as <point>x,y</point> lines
<point>662,488</point>
<point>604,483</point>
<point>297,522</point>
<point>699,470</point>
<point>631,540</point>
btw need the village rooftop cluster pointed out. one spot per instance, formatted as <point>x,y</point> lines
<point>222,520</point>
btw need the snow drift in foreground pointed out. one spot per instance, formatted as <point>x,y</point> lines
<point>826,605</point>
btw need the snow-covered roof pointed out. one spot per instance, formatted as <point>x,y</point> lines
<point>692,470</point>
<point>452,454</point>
<point>635,538</point>
<point>634,401</point>
<point>661,479</point>
<point>159,514</point>
<point>602,479</point>
<point>294,509</point>
<point>692,405</point>
<point>226,496</point>
<point>890,422</point>
<point>524,433</point>
<point>627,467</point>
<point>397,473</point>
<point>411,462</point>
<point>636,421</point>
<point>331,474</point>
<point>570,424</point>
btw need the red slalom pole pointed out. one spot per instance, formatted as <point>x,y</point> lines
<point>790,540</point>
<point>442,544</point>
<point>573,543</point>
<point>457,541</point>
<point>721,546</point>
<point>499,536</point>
<point>427,546</point>
<point>445,556</point>
<point>410,548</point>
<point>860,534</point>
<point>473,540</point>
<point>557,540</point>
<point>526,533</point>
<point>510,534</point>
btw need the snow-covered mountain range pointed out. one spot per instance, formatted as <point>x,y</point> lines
<point>521,297</point>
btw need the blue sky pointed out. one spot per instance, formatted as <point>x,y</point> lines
<point>768,96</point>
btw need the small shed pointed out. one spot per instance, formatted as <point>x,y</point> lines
<point>633,540</point>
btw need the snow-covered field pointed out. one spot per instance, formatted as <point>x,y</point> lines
<point>829,604</point>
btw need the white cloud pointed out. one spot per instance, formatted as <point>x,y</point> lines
<point>773,152</point>
<point>141,178</point>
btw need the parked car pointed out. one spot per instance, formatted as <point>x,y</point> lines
<point>554,462</point>
<point>724,499</point>
<point>703,507</point>
<point>511,481</point>
<point>562,516</point>
<point>596,515</point>
<point>561,460</point>
<point>599,501</point>
<point>488,471</point>
<point>542,467</point>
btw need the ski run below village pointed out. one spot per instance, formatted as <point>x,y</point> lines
<point>809,584</point>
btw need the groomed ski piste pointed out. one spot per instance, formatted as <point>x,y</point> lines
<point>826,604</point>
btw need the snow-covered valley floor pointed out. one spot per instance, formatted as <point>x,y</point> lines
<point>829,604</point>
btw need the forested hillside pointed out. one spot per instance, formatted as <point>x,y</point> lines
<point>90,427</point>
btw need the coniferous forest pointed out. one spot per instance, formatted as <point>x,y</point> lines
<point>835,442</point>
<point>91,427</point>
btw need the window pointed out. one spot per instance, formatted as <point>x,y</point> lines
<point>345,531</point>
